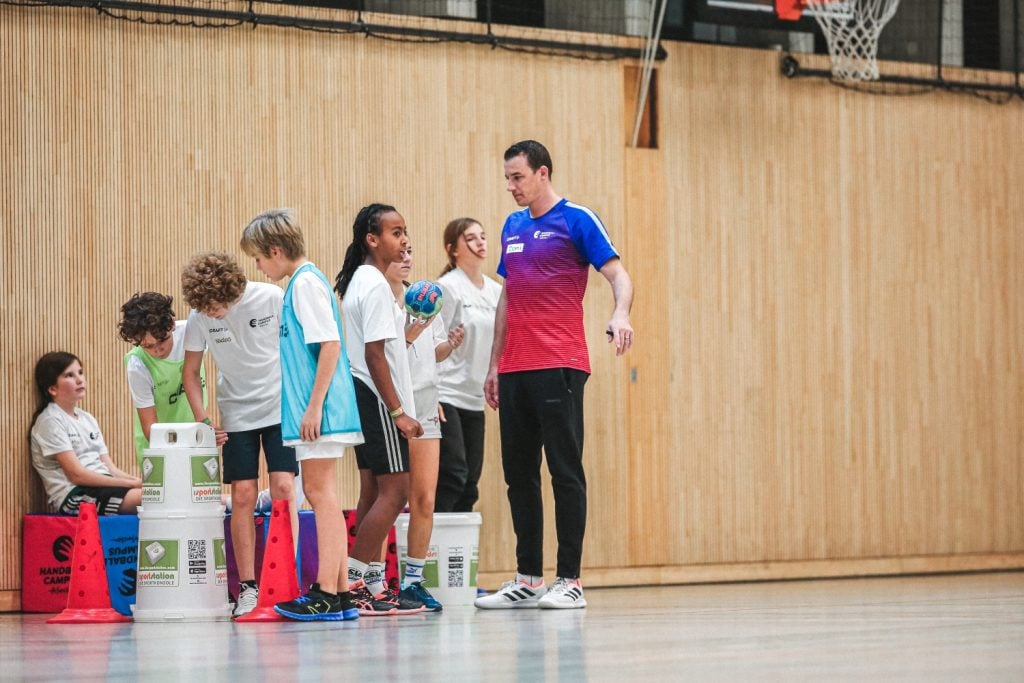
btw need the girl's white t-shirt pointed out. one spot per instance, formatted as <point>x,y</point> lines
<point>370,313</point>
<point>56,432</point>
<point>422,358</point>
<point>461,376</point>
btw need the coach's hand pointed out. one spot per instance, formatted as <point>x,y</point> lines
<point>621,332</point>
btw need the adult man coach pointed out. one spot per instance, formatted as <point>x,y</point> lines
<point>539,366</point>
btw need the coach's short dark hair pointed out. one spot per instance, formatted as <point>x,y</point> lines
<point>536,155</point>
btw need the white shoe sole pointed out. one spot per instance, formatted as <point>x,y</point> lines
<point>576,604</point>
<point>520,604</point>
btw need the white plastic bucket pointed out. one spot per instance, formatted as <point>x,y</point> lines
<point>452,555</point>
<point>182,572</point>
<point>181,469</point>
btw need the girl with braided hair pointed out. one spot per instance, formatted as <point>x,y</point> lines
<point>375,341</point>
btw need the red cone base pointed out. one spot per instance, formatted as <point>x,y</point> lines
<point>88,616</point>
<point>278,581</point>
<point>88,595</point>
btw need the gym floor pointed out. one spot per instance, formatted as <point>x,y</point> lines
<point>928,628</point>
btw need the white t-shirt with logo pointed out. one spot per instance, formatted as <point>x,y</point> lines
<point>245,347</point>
<point>461,375</point>
<point>140,381</point>
<point>370,313</point>
<point>56,432</point>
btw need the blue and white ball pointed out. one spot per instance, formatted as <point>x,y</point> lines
<point>423,299</point>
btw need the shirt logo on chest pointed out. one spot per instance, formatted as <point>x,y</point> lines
<point>514,248</point>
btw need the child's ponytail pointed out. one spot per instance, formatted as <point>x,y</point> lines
<point>367,222</point>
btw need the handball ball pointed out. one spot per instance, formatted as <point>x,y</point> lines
<point>424,299</point>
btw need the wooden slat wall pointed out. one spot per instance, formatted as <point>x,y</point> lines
<point>828,307</point>
<point>847,272</point>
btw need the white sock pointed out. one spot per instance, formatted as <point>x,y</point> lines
<point>356,569</point>
<point>374,578</point>
<point>413,571</point>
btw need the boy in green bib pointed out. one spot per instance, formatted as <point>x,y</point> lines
<point>154,366</point>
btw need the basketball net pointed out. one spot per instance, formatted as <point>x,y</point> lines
<point>851,28</point>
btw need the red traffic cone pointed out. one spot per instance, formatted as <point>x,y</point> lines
<point>278,581</point>
<point>88,594</point>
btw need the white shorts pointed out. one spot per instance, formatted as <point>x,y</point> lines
<point>426,412</point>
<point>327,446</point>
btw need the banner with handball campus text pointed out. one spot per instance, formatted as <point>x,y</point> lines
<point>48,541</point>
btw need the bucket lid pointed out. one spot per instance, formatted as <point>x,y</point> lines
<point>448,519</point>
<point>174,435</point>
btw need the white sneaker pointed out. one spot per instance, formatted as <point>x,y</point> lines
<point>565,594</point>
<point>247,598</point>
<point>512,595</point>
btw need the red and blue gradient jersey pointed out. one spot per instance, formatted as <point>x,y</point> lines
<point>545,264</point>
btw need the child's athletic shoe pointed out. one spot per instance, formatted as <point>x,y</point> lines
<point>417,592</point>
<point>368,605</point>
<point>513,594</point>
<point>565,594</point>
<point>316,605</point>
<point>403,604</point>
<point>247,597</point>
<point>263,502</point>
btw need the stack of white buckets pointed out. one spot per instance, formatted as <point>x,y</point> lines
<point>182,573</point>
<point>452,556</point>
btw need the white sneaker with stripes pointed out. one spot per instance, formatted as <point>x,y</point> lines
<point>565,594</point>
<point>513,594</point>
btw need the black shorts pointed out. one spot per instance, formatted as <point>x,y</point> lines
<point>242,454</point>
<point>108,499</point>
<point>385,450</point>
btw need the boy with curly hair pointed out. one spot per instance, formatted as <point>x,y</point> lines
<point>238,321</point>
<point>154,366</point>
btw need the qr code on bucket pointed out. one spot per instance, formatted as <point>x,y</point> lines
<point>455,578</point>
<point>196,549</point>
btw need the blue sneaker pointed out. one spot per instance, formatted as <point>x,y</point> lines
<point>316,605</point>
<point>416,591</point>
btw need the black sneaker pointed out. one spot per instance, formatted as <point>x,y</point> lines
<point>416,591</point>
<point>368,605</point>
<point>316,605</point>
<point>403,603</point>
